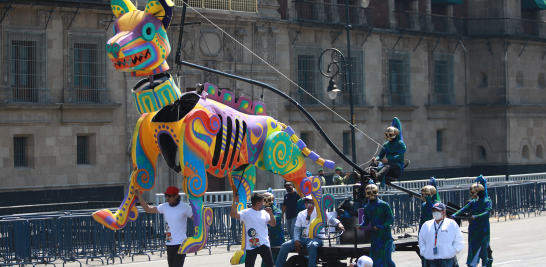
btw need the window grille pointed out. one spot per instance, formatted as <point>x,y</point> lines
<point>27,64</point>
<point>230,5</point>
<point>346,150</point>
<point>83,149</point>
<point>19,148</point>
<point>305,138</point>
<point>89,75</point>
<point>399,79</point>
<point>308,75</point>
<point>439,140</point>
<point>173,32</point>
<point>344,97</point>
<point>443,80</point>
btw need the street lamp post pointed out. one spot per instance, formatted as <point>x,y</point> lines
<point>339,66</point>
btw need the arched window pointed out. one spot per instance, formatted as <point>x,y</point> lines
<point>525,152</point>
<point>519,79</point>
<point>540,153</point>
<point>481,153</point>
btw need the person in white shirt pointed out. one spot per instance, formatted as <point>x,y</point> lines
<point>440,239</point>
<point>363,261</point>
<point>255,222</point>
<point>176,215</point>
<point>301,235</point>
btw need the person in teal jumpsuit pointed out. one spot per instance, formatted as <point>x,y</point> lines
<point>429,194</point>
<point>378,213</point>
<point>479,228</point>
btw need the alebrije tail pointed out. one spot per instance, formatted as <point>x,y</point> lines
<point>305,150</point>
<point>396,123</point>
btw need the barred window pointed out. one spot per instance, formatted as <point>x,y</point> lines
<point>344,97</point>
<point>83,149</point>
<point>399,78</point>
<point>439,140</point>
<point>232,5</point>
<point>19,152</point>
<point>443,80</point>
<point>172,33</point>
<point>346,143</point>
<point>27,62</point>
<point>308,75</point>
<point>89,77</point>
<point>305,138</point>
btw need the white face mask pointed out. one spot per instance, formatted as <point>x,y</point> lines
<point>437,215</point>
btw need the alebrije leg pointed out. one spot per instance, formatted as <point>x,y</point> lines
<point>317,224</point>
<point>144,154</point>
<point>195,186</point>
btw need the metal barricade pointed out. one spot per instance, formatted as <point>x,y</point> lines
<point>15,242</point>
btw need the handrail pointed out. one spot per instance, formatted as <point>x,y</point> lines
<point>428,14</point>
<point>330,4</point>
<point>347,190</point>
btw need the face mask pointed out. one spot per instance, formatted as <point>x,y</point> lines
<point>437,215</point>
<point>289,189</point>
<point>481,194</point>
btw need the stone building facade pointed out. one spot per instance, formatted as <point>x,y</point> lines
<point>466,78</point>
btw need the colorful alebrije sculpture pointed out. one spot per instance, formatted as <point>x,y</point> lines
<point>198,135</point>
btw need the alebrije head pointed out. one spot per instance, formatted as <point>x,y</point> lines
<point>140,44</point>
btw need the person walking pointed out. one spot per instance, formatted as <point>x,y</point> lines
<point>255,221</point>
<point>301,235</point>
<point>440,239</point>
<point>289,207</point>
<point>176,215</point>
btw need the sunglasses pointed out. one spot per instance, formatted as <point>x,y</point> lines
<point>168,196</point>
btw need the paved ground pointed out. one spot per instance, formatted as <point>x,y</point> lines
<point>518,242</point>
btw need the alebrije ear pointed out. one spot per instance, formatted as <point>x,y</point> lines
<point>120,7</point>
<point>161,9</point>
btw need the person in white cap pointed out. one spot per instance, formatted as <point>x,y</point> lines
<point>363,261</point>
<point>440,239</point>
<point>301,235</point>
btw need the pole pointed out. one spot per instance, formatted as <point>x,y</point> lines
<point>348,71</point>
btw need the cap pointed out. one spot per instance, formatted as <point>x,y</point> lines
<point>288,183</point>
<point>339,169</point>
<point>308,197</point>
<point>320,170</point>
<point>364,261</point>
<point>439,206</point>
<point>172,190</point>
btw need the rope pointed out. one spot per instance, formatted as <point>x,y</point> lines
<point>283,75</point>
